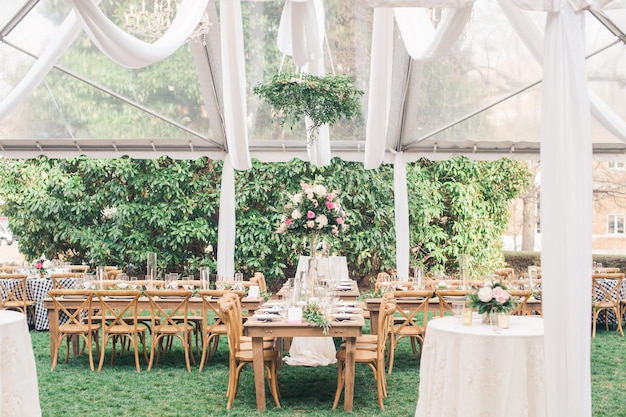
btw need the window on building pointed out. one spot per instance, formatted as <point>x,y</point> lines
<point>616,165</point>
<point>615,224</point>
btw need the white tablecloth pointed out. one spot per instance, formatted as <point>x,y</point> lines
<point>470,371</point>
<point>19,393</point>
<point>334,267</point>
<point>317,351</point>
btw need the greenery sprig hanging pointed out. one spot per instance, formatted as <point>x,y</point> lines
<point>324,99</point>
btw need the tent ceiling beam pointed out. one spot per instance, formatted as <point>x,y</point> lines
<point>118,96</point>
<point>445,127</point>
<point>15,20</point>
<point>608,23</point>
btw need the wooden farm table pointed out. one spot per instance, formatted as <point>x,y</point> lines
<point>257,329</point>
<point>195,303</point>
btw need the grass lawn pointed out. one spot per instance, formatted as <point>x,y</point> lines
<point>168,390</point>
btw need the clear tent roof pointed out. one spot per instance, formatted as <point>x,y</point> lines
<point>483,97</point>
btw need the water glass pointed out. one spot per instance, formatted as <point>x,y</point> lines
<point>133,283</point>
<point>205,277</point>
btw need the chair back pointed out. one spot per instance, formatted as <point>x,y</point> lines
<point>446,297</point>
<point>520,298</point>
<point>234,327</point>
<point>76,316</point>
<point>13,292</point>
<point>607,289</point>
<point>385,320</point>
<point>169,316</point>
<point>83,269</point>
<point>211,312</point>
<point>60,279</point>
<point>505,274</point>
<point>410,316</point>
<point>116,305</point>
<point>259,279</point>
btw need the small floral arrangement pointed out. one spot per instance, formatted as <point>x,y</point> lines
<point>492,297</point>
<point>314,210</point>
<point>42,264</point>
<point>313,314</point>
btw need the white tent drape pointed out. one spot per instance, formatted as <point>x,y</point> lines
<point>424,43</point>
<point>301,36</point>
<point>401,212</point>
<point>234,78</point>
<point>566,214</point>
<point>128,51</point>
<point>226,225</point>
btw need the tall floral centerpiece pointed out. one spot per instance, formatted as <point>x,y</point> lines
<point>313,212</point>
<point>492,298</point>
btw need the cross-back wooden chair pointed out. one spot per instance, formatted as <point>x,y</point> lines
<point>213,326</point>
<point>446,297</point>
<point>240,356</point>
<point>374,358</point>
<point>505,274</point>
<point>14,293</point>
<point>521,298</point>
<point>259,280</point>
<point>166,323</point>
<point>410,322</point>
<point>607,297</point>
<point>115,307</point>
<point>79,323</point>
<point>57,278</point>
<point>82,269</point>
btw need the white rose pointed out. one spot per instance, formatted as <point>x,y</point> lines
<point>296,214</point>
<point>322,221</point>
<point>485,294</point>
<point>308,190</point>
<point>46,264</point>
<point>297,198</point>
<point>319,190</point>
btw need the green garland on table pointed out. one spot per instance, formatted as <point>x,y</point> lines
<point>324,99</point>
<point>312,314</point>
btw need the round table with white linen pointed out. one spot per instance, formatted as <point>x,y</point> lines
<point>19,393</point>
<point>472,371</point>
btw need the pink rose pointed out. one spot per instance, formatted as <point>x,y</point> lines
<point>310,224</point>
<point>288,221</point>
<point>330,196</point>
<point>39,265</point>
<point>500,295</point>
<point>310,215</point>
<point>330,205</point>
<point>339,220</point>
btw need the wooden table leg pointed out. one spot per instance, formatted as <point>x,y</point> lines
<point>348,399</point>
<point>259,378</point>
<point>53,319</point>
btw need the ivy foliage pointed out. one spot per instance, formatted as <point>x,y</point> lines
<point>114,211</point>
